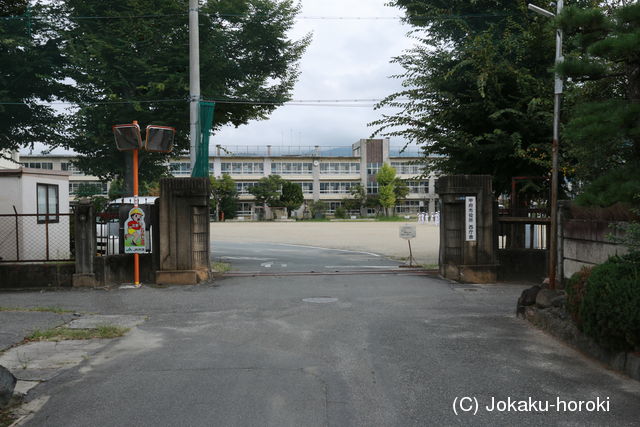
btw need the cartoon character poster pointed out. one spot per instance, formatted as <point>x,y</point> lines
<point>134,232</point>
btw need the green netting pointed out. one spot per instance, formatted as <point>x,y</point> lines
<point>201,167</point>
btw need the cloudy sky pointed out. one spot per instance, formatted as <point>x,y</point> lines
<point>347,59</point>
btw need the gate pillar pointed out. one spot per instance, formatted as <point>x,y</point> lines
<point>184,231</point>
<point>468,247</point>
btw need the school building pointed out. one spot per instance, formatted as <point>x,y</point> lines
<point>324,173</point>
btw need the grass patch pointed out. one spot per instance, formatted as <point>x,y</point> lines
<point>62,334</point>
<point>220,267</point>
<point>430,266</point>
<point>56,310</point>
<point>7,418</point>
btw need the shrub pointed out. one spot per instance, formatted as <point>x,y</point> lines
<point>610,309</point>
<point>317,209</point>
<point>619,185</point>
<point>575,289</point>
<point>341,212</point>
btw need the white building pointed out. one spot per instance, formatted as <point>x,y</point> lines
<point>9,160</point>
<point>34,215</point>
<point>324,173</point>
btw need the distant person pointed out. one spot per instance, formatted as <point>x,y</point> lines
<point>436,218</point>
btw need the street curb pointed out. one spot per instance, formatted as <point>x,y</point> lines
<point>557,323</point>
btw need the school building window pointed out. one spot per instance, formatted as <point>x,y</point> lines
<point>180,168</point>
<point>242,168</point>
<point>373,168</point>
<point>339,168</point>
<point>38,165</point>
<point>307,187</point>
<point>336,187</point>
<point>48,203</point>
<point>292,168</point>
<point>243,187</point>
<point>404,168</point>
<point>418,187</point>
<point>70,167</point>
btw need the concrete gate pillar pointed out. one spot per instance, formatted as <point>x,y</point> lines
<point>184,231</point>
<point>468,246</point>
<point>85,244</point>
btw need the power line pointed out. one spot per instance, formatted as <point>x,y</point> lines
<point>239,15</point>
<point>351,103</point>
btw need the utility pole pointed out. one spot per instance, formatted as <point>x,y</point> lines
<point>194,78</point>
<point>558,88</point>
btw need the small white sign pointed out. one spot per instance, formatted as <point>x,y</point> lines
<point>407,232</point>
<point>470,218</point>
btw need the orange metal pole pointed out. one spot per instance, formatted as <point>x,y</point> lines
<point>136,257</point>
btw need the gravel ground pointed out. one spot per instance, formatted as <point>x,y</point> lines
<point>377,237</point>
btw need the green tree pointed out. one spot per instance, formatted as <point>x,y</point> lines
<point>401,189</point>
<point>603,62</point>
<point>387,198</point>
<point>477,88</point>
<point>359,195</point>
<point>373,202</point>
<point>117,190</point>
<point>126,67</point>
<point>291,197</point>
<point>386,178</point>
<point>268,190</point>
<point>31,74</point>
<point>224,196</point>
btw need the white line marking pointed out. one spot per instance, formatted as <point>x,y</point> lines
<point>386,267</point>
<point>248,258</point>
<point>329,249</point>
<point>283,265</point>
<point>266,264</point>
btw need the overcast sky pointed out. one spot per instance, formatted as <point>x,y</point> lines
<point>347,59</point>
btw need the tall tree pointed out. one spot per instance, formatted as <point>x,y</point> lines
<point>129,61</point>
<point>478,88</point>
<point>291,197</point>
<point>31,75</point>
<point>224,196</point>
<point>268,190</point>
<point>386,179</point>
<point>603,61</point>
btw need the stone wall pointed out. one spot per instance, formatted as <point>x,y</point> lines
<point>585,243</point>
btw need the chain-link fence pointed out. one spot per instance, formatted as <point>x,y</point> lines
<point>36,237</point>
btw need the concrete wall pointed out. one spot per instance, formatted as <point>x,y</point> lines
<point>584,243</point>
<point>118,269</point>
<point>18,276</point>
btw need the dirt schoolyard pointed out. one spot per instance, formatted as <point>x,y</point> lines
<point>377,237</point>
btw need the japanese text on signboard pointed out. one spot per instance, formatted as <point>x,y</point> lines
<point>470,218</point>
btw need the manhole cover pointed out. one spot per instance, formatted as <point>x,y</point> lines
<point>320,300</point>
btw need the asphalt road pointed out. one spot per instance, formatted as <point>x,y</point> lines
<point>282,257</point>
<point>327,350</point>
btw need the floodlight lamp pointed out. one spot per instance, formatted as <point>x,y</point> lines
<point>541,11</point>
<point>127,137</point>
<point>159,138</point>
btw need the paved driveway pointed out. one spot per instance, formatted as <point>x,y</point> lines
<point>327,350</point>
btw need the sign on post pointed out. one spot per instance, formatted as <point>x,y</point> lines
<point>407,232</point>
<point>134,232</point>
<point>470,218</point>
